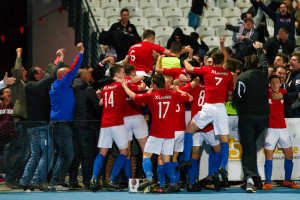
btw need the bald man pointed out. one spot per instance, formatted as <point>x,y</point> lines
<point>62,113</point>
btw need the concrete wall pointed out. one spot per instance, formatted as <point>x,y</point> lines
<point>52,34</point>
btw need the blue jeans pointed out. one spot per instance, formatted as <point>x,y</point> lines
<point>37,167</point>
<point>194,20</point>
<point>62,136</point>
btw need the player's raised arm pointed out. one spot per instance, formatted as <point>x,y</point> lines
<point>189,68</point>
<point>127,90</point>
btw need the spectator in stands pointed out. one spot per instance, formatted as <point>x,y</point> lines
<point>7,132</point>
<point>278,44</point>
<point>251,99</point>
<point>62,113</point>
<point>38,116</point>
<point>124,24</point>
<point>294,82</point>
<point>284,19</point>
<point>195,12</point>
<point>245,38</point>
<point>185,40</point>
<point>203,48</point>
<point>271,70</point>
<point>6,81</point>
<point>281,59</point>
<point>86,107</point>
<point>21,145</point>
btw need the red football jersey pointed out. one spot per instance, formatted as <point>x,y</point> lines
<point>141,55</point>
<point>198,94</point>
<point>130,108</point>
<point>276,116</point>
<point>174,72</point>
<point>114,97</point>
<point>218,81</point>
<point>162,104</point>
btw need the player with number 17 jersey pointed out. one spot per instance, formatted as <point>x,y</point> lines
<point>162,104</point>
<point>114,97</point>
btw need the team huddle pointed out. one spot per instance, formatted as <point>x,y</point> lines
<point>187,105</point>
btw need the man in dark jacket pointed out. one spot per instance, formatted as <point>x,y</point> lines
<point>251,99</point>
<point>38,116</point>
<point>86,107</point>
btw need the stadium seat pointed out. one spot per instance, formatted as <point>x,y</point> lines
<point>167,3</point>
<point>157,41</point>
<point>110,4</point>
<point>94,3</point>
<point>163,31</point>
<point>153,12</point>
<point>217,22</point>
<point>148,4</point>
<point>271,31</point>
<point>228,42</point>
<point>101,22</point>
<point>204,22</point>
<point>243,4</point>
<point>139,21</point>
<point>186,12</point>
<point>113,20</point>
<point>141,30</point>
<point>235,21</point>
<point>212,12</point>
<point>211,41</point>
<point>210,3</point>
<point>187,30</point>
<point>135,12</point>
<point>129,4</point>
<point>172,12</point>
<point>156,22</point>
<point>178,22</point>
<point>205,31</point>
<point>112,12</point>
<point>184,4</point>
<point>225,4</point>
<point>244,10</point>
<point>97,12</point>
<point>231,12</point>
<point>223,32</point>
<point>164,41</point>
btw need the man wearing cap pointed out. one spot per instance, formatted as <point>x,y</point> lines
<point>244,39</point>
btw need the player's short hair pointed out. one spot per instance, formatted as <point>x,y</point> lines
<point>284,29</point>
<point>218,57</point>
<point>201,59</point>
<point>274,76</point>
<point>194,62</point>
<point>114,69</point>
<point>251,61</point>
<point>147,33</point>
<point>233,64</point>
<point>284,57</point>
<point>176,47</point>
<point>298,55</point>
<point>128,68</point>
<point>158,80</point>
<point>194,35</point>
<point>124,10</point>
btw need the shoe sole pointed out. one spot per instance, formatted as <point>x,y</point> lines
<point>250,190</point>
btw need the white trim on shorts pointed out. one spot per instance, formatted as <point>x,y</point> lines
<point>213,113</point>
<point>114,133</point>
<point>136,124</point>
<point>164,146</point>
<point>276,136</point>
<point>141,73</point>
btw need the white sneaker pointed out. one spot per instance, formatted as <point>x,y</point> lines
<point>61,188</point>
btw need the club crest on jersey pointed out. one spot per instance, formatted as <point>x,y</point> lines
<point>163,97</point>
